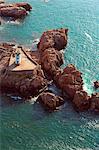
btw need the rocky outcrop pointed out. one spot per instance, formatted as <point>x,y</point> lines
<point>30,84</point>
<point>96,84</point>
<point>53,39</point>
<point>26,83</point>
<point>81,101</point>
<point>50,43</point>
<point>94,102</point>
<point>15,11</point>
<point>69,80</point>
<point>51,60</point>
<point>50,101</point>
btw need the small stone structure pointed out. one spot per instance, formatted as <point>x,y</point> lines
<point>21,62</point>
<point>18,57</point>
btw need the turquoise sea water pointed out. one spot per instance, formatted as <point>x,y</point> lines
<point>25,126</point>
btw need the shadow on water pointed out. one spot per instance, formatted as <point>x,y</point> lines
<point>63,114</point>
<point>38,112</point>
<point>7,100</point>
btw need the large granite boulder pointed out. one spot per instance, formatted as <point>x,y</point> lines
<point>53,39</point>
<point>69,80</point>
<point>95,102</point>
<point>51,60</point>
<point>81,101</point>
<point>50,101</point>
<point>14,12</point>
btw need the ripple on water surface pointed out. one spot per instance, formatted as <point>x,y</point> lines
<point>26,126</point>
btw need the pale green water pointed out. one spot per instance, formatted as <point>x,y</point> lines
<point>27,126</point>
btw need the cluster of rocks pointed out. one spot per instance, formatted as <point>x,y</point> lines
<point>50,101</point>
<point>69,79</point>
<point>50,58</point>
<point>24,83</point>
<point>15,10</point>
<point>51,42</point>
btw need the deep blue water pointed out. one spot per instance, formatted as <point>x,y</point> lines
<point>26,126</point>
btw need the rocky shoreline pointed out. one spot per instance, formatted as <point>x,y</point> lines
<point>48,58</point>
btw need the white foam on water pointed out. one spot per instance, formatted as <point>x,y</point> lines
<point>84,149</point>
<point>33,100</point>
<point>16,98</point>
<point>34,44</point>
<point>36,41</point>
<point>46,1</point>
<point>88,36</point>
<point>97,126</point>
<point>13,22</point>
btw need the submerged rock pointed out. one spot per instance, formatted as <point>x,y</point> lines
<point>50,101</point>
<point>81,101</point>
<point>53,39</point>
